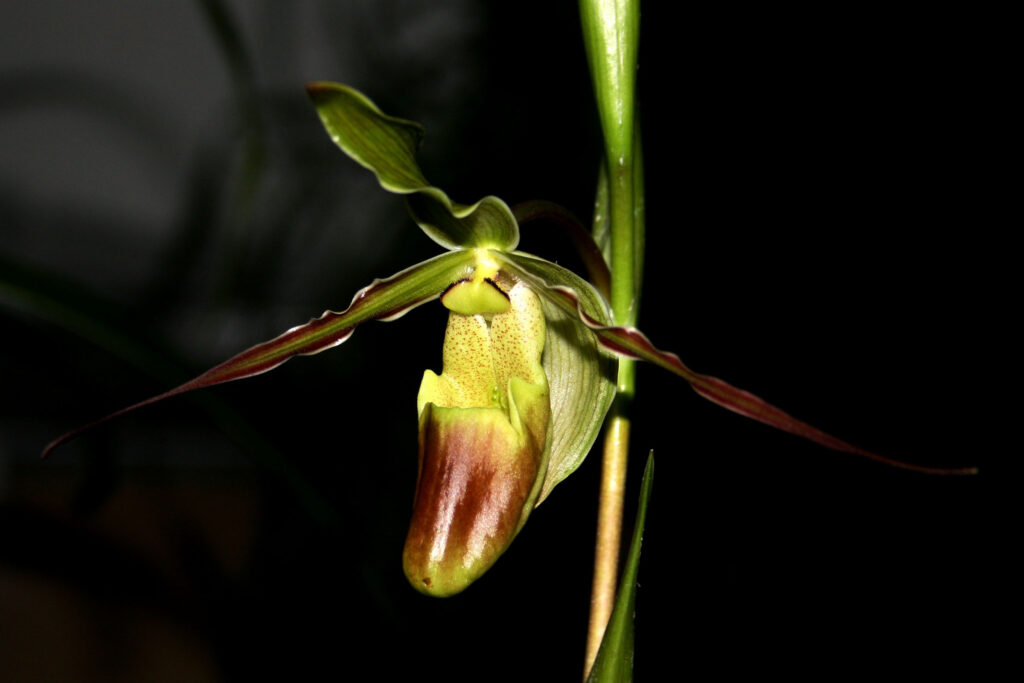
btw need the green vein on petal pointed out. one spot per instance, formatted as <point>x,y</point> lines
<point>387,146</point>
<point>386,300</point>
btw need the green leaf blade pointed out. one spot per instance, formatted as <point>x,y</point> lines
<point>614,663</point>
<point>611,35</point>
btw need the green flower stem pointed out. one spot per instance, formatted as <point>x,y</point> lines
<point>610,33</point>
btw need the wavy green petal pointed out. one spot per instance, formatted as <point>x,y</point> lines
<point>387,146</point>
<point>386,300</point>
<point>629,342</point>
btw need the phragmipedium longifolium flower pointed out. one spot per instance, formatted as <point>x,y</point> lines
<point>529,360</point>
<point>484,438</point>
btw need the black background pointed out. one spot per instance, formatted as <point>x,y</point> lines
<point>812,212</point>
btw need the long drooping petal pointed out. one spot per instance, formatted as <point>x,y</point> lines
<point>387,146</point>
<point>628,342</point>
<point>386,300</point>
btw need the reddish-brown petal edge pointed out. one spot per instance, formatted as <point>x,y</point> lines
<point>628,342</point>
<point>319,334</point>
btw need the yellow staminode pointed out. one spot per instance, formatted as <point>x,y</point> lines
<point>480,294</point>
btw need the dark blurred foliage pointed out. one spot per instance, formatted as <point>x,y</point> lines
<point>811,211</point>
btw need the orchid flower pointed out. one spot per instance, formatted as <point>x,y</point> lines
<point>529,360</point>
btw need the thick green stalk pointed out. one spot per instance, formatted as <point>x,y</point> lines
<point>610,32</point>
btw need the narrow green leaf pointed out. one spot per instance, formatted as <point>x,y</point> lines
<point>385,300</point>
<point>611,38</point>
<point>614,663</point>
<point>581,379</point>
<point>611,35</point>
<point>387,146</point>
